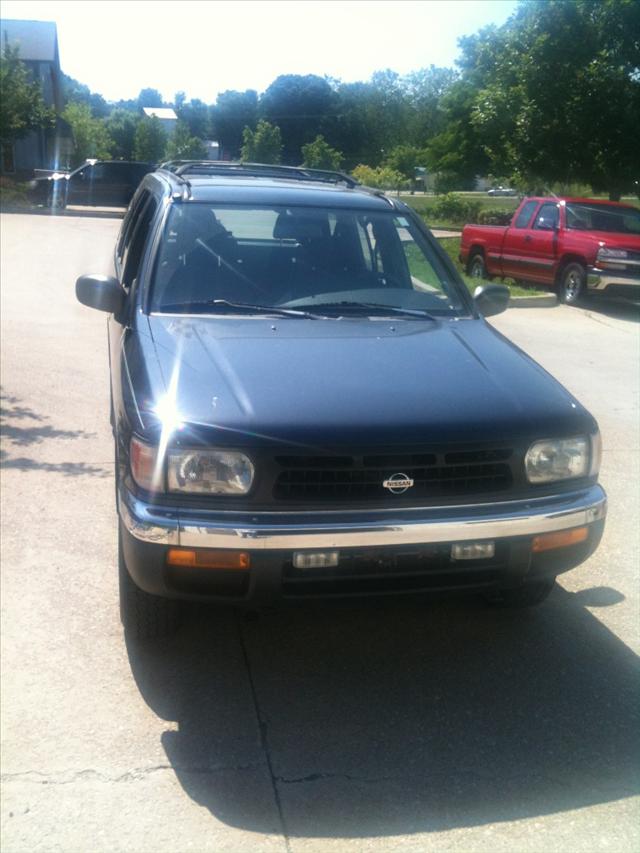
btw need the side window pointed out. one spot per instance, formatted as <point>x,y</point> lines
<point>139,234</point>
<point>547,218</point>
<point>524,217</point>
<point>129,223</point>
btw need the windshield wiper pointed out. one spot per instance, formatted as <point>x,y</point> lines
<point>227,307</point>
<point>378,307</point>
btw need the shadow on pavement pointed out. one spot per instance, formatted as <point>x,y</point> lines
<point>395,718</point>
<point>617,309</point>
<point>21,426</point>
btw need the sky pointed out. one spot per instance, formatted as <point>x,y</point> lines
<point>117,47</point>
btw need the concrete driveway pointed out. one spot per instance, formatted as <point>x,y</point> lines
<point>395,726</point>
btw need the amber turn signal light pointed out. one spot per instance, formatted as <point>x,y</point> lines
<point>560,539</point>
<point>202,558</point>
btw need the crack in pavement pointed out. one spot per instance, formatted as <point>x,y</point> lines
<point>69,777</point>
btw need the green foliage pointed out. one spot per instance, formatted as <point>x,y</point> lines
<point>149,98</point>
<point>455,209</point>
<point>494,216</point>
<point>233,111</point>
<point>183,146</point>
<point>12,192</point>
<point>22,108</point>
<point>320,155</point>
<point>381,177</point>
<point>404,159</point>
<point>73,91</point>
<point>456,153</point>
<point>264,145</point>
<point>90,135</point>
<point>556,93</point>
<point>150,141</point>
<point>121,127</point>
<point>195,114</point>
<point>298,105</point>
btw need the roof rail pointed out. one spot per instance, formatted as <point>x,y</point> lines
<point>181,168</point>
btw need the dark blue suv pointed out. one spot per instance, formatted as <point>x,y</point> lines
<point>307,402</point>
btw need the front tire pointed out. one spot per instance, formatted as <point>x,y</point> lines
<point>530,594</point>
<point>476,267</point>
<point>144,616</point>
<point>572,284</point>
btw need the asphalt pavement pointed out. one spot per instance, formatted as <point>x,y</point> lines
<point>371,727</point>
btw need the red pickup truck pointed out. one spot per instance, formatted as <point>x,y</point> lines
<point>575,245</point>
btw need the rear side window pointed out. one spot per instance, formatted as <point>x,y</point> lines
<point>129,223</point>
<point>139,233</point>
<point>526,212</point>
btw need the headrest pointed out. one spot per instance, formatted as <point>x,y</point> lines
<point>302,226</point>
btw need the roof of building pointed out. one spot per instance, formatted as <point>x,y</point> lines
<point>160,112</point>
<point>37,41</point>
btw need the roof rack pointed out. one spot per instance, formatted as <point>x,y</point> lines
<point>182,168</point>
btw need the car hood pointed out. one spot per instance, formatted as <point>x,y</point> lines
<point>250,381</point>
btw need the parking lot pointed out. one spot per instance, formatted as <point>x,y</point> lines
<point>378,727</point>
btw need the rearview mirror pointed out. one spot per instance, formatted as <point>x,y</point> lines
<point>102,292</point>
<point>491,299</point>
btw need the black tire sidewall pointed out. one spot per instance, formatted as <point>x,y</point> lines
<point>477,259</point>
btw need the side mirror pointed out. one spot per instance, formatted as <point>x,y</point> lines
<point>102,292</point>
<point>491,299</point>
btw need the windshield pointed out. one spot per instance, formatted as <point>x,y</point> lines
<point>603,217</point>
<point>297,257</point>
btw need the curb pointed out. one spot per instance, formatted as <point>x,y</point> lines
<point>549,300</point>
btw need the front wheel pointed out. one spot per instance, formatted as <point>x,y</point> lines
<point>476,267</point>
<point>529,594</point>
<point>572,282</point>
<point>144,616</point>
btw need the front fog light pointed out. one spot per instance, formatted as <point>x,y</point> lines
<point>213,472</point>
<point>559,459</point>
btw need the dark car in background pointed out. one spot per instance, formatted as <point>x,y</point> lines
<point>104,183</point>
<point>308,403</point>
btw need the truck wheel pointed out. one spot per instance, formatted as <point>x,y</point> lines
<point>527,595</point>
<point>144,616</point>
<point>572,280</point>
<point>476,267</point>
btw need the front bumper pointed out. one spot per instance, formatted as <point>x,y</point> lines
<point>379,536</point>
<point>623,281</point>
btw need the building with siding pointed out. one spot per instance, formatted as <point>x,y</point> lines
<point>45,148</point>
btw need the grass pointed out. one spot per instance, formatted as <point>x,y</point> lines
<point>13,193</point>
<point>451,245</point>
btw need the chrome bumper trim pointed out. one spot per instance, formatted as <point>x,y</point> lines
<point>598,279</point>
<point>288,531</point>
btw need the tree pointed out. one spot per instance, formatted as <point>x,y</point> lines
<point>457,153</point>
<point>298,105</point>
<point>150,140</point>
<point>264,145</point>
<point>320,155</point>
<point>90,135</point>
<point>405,158</point>
<point>196,115</point>
<point>183,146</point>
<point>382,177</point>
<point>544,113</point>
<point>233,112</point>
<point>150,98</point>
<point>77,92</point>
<point>121,127</point>
<point>22,108</point>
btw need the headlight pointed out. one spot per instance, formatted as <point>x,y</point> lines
<point>605,254</point>
<point>559,459</point>
<point>211,472</point>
